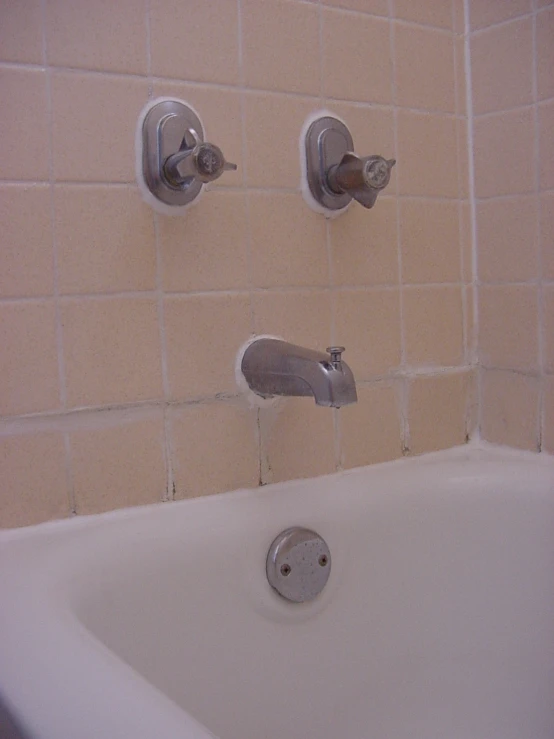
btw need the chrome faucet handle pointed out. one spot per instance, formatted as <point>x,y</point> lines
<point>336,355</point>
<point>195,159</point>
<point>360,177</point>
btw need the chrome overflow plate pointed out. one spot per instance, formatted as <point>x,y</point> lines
<point>298,564</point>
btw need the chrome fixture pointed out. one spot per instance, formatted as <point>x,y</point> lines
<point>275,367</point>
<point>335,174</point>
<point>176,161</point>
<point>298,564</point>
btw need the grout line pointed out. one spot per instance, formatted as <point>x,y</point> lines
<point>503,111</point>
<point>496,24</point>
<point>403,358</point>
<point>473,220</point>
<point>541,328</point>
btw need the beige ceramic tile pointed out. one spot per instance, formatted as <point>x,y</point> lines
<point>29,358</point>
<point>459,51</point>
<point>545,53</point>
<point>424,68</point>
<point>204,334</point>
<point>547,235</point>
<point>376,7</point>
<point>195,41</point>
<point>367,323</point>
<point>105,239</point>
<point>429,12</point>
<point>289,241</point>
<point>271,160</point>
<point>371,428</point>
<point>548,434</point>
<point>34,481</point>
<point>459,16</point>
<point>500,141</point>
<point>21,31</point>
<point>208,248</point>
<point>97,35</point>
<point>93,128</point>
<point>507,236</point>
<point>281,47</point>
<point>430,239</point>
<point>365,253</point>
<point>111,350</point>
<point>500,78</point>
<point>508,317</point>
<point>223,130</point>
<point>118,466</point>
<point>297,440</point>
<point>471,329</point>
<point>466,238</point>
<point>24,144</point>
<point>510,409</point>
<point>548,297</point>
<point>428,139</point>
<point>486,12</point>
<point>546,145</point>
<point>463,158</point>
<point>437,411</point>
<point>356,57</point>
<point>26,258</point>
<point>300,316</point>
<point>543,3</point>
<point>433,322</point>
<point>215,448</point>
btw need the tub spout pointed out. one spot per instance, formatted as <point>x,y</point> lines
<point>275,367</point>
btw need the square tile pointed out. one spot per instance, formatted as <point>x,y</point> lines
<point>486,12</point>
<point>499,141</point>
<point>367,322</point>
<point>215,448</point>
<point>433,324</point>
<point>427,155</point>
<point>105,239</point>
<point>424,68</point>
<point>365,253</point>
<point>25,143</point>
<point>34,479</point>
<point>195,41</point>
<point>508,319</point>
<point>208,248</point>
<point>356,57</point>
<point>204,334</point>
<point>510,405</point>
<point>430,240</point>
<point>29,358</point>
<point>119,465</point>
<point>289,242</point>
<point>26,257</point>
<point>438,411</point>
<point>548,298</point>
<point>297,440</point>
<point>300,316</point>
<point>21,32</point>
<point>507,236</point>
<point>546,146</point>
<point>547,234</point>
<point>274,161</point>
<point>371,429</point>
<point>281,48</point>
<point>500,78</point>
<point>93,128</point>
<point>548,433</point>
<point>97,35</point>
<point>428,12</point>
<point>112,351</point>
<point>375,7</point>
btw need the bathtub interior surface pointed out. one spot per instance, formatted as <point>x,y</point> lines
<point>437,620</point>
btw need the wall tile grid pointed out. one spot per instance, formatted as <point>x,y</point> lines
<point>512,65</point>
<point>119,327</point>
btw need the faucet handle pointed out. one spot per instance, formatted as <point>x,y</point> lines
<point>361,177</point>
<point>336,355</point>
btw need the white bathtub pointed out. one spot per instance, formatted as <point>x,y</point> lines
<point>158,623</point>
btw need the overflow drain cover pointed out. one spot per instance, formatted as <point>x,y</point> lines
<point>298,564</point>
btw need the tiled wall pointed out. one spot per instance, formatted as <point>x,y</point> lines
<point>512,62</point>
<point>119,327</point>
